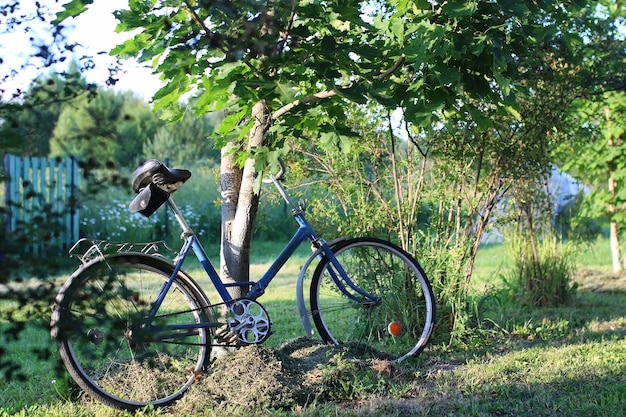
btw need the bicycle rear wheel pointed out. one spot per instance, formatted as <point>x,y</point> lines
<point>99,323</point>
<point>400,323</point>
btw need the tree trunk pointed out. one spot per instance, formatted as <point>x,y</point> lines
<point>614,242</point>
<point>239,199</point>
<point>612,184</point>
<point>239,207</point>
<point>613,227</point>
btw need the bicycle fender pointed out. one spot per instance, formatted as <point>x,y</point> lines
<point>304,316</point>
<point>302,305</point>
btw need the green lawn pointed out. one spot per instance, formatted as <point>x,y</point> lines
<point>568,361</point>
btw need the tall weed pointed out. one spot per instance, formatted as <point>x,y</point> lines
<point>446,276</point>
<point>543,279</point>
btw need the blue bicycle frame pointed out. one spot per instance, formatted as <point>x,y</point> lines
<point>304,233</point>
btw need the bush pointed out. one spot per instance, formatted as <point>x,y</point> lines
<point>542,277</point>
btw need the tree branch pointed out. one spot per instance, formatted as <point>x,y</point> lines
<point>287,31</point>
<point>327,94</point>
<point>315,97</point>
<point>392,69</point>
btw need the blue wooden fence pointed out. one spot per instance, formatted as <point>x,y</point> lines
<point>42,203</point>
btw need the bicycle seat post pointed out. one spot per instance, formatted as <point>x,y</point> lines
<point>179,218</point>
<point>283,192</point>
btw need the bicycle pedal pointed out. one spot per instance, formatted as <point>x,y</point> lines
<point>224,336</point>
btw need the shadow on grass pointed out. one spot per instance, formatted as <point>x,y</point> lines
<point>597,311</point>
<point>521,362</point>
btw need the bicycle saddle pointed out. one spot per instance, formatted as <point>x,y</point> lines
<point>155,172</point>
<point>154,182</point>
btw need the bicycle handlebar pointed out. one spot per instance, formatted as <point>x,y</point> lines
<point>279,176</point>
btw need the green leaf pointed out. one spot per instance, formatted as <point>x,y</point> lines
<point>396,27</point>
<point>216,94</point>
<point>382,96</point>
<point>285,92</point>
<point>447,75</point>
<point>513,111</point>
<point>428,38</point>
<point>231,121</point>
<point>171,92</point>
<point>503,82</point>
<point>329,140</point>
<point>345,144</point>
<point>514,7</point>
<point>129,48</point>
<point>478,117</point>
<point>172,112</point>
<point>459,8</point>
<point>72,9</point>
<point>229,69</point>
<point>355,93</point>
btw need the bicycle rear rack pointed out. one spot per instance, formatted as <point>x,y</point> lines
<point>86,250</point>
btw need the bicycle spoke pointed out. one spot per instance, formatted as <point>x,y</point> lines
<point>110,348</point>
<point>400,323</point>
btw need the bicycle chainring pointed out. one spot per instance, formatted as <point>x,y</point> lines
<point>249,321</point>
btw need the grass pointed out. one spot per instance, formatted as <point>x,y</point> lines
<point>581,379</point>
<point>568,360</point>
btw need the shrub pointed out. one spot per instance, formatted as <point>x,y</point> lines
<point>542,276</point>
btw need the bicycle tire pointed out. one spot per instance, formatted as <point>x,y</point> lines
<point>96,322</point>
<point>406,307</point>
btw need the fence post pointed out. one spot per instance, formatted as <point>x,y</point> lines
<point>72,221</point>
<point>40,193</point>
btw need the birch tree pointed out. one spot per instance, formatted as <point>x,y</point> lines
<point>267,65</point>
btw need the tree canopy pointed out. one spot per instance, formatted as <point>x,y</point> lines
<point>233,54</point>
<point>457,64</point>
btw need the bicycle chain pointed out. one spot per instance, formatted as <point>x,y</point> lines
<point>223,335</point>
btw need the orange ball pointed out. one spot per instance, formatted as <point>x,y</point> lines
<point>394,328</point>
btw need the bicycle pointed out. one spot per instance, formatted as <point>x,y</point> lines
<point>134,329</point>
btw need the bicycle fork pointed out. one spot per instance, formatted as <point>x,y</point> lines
<point>337,274</point>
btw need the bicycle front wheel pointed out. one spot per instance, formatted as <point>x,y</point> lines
<point>110,349</point>
<point>399,323</point>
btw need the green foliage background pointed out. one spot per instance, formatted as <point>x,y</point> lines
<point>489,91</point>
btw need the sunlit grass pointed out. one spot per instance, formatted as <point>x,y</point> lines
<point>580,379</point>
<point>493,261</point>
<point>551,361</point>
